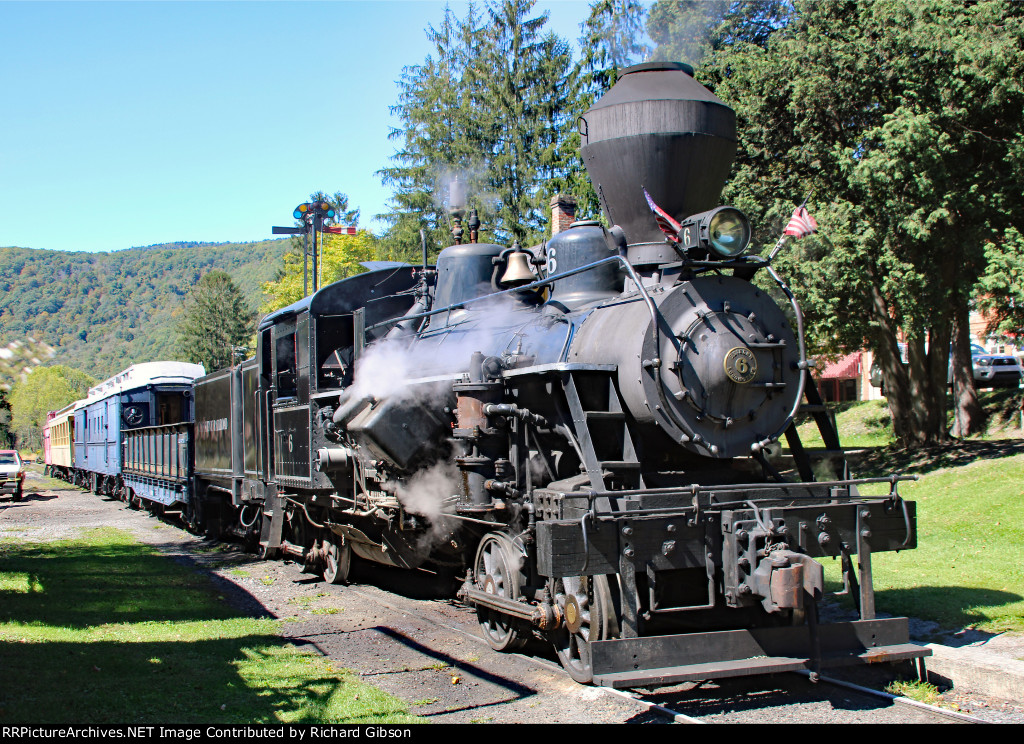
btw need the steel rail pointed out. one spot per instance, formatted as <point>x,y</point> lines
<point>898,699</point>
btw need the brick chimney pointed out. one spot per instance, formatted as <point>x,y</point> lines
<point>563,212</point>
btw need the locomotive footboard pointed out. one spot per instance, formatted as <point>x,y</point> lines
<point>663,660</point>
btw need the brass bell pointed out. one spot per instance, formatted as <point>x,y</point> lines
<point>518,269</point>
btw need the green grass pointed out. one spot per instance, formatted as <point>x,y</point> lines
<point>104,630</point>
<point>869,423</point>
<point>922,692</point>
<point>862,424</point>
<point>967,570</point>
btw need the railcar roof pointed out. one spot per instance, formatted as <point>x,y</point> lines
<point>67,410</point>
<point>348,294</point>
<point>147,373</point>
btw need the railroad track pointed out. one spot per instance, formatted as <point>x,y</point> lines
<point>790,698</point>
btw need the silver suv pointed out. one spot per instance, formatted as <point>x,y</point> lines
<point>990,370</point>
<point>993,370</point>
<point>12,473</point>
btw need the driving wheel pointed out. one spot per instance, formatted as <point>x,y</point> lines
<point>590,608</point>
<point>337,560</point>
<point>498,571</point>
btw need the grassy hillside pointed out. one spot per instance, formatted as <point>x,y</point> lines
<point>104,311</point>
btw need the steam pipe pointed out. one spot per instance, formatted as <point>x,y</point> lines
<point>406,324</point>
<point>695,489</point>
<point>511,409</point>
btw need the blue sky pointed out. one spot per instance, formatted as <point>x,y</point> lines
<point>134,123</point>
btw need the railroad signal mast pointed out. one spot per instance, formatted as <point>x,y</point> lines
<point>312,216</point>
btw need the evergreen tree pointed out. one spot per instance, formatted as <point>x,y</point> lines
<point>441,137</point>
<point>532,98</point>
<point>216,321</point>
<point>612,38</point>
<point>490,106</point>
<point>688,30</point>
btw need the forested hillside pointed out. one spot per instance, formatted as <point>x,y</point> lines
<point>105,311</point>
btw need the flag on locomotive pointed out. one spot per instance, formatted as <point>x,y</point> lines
<point>801,224</point>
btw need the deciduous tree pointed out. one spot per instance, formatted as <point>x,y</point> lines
<point>44,389</point>
<point>340,257</point>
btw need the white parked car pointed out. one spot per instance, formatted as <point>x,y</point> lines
<point>12,473</point>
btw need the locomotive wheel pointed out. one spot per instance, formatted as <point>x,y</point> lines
<point>190,516</point>
<point>589,605</point>
<point>338,560</point>
<point>497,569</point>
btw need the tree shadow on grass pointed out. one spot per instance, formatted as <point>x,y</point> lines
<point>883,461</point>
<point>175,682</point>
<point>76,585</point>
<point>106,631</point>
<point>935,611</point>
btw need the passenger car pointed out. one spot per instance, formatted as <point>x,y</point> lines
<point>12,473</point>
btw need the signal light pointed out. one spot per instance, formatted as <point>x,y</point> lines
<point>323,209</point>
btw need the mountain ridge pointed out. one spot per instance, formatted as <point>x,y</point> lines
<point>103,311</point>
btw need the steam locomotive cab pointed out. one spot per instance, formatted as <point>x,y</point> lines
<point>582,433</point>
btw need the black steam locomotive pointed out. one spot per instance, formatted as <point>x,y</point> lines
<point>583,430</point>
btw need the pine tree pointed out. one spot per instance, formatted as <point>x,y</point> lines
<point>491,106</point>
<point>441,136</point>
<point>216,322</point>
<point>612,39</point>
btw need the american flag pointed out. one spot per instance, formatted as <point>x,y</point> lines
<point>668,225</point>
<point>801,224</point>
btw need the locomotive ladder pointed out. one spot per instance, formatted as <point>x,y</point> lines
<point>605,441</point>
<point>861,592</point>
<point>833,452</point>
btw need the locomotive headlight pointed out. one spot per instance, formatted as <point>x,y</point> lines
<point>724,231</point>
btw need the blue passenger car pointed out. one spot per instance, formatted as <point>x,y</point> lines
<point>143,397</point>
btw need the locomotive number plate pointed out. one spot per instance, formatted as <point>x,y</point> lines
<point>740,364</point>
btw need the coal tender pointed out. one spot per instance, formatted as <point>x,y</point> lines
<point>583,431</point>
